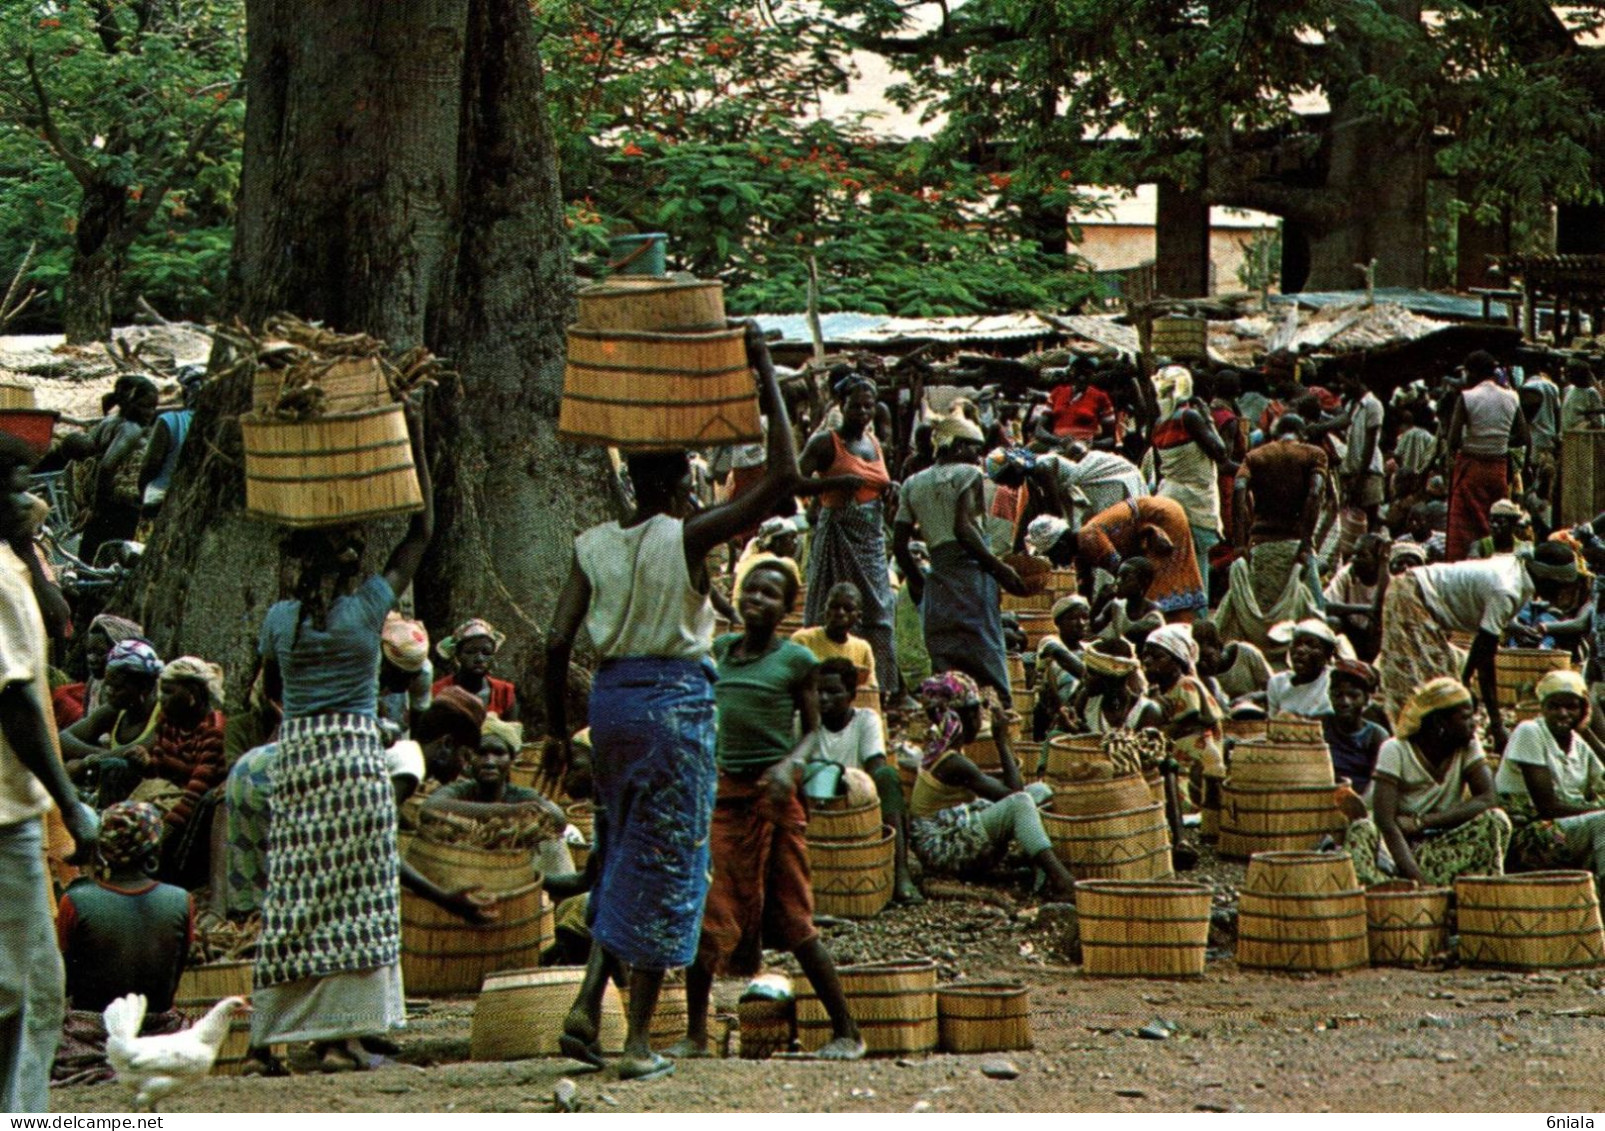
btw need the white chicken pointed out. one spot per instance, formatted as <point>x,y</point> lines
<point>161,1065</point>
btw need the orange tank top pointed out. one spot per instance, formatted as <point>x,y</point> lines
<point>871,471</point>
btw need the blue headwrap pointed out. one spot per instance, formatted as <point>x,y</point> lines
<point>1000,460</point>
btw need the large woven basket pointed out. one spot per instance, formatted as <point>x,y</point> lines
<point>1150,928</point>
<point>520,1014</point>
<point>894,1004</point>
<point>640,391</point>
<point>1407,923</point>
<point>330,470</point>
<point>984,1016</point>
<point>1532,921</point>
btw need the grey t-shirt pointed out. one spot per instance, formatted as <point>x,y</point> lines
<point>336,668</point>
<point>931,499</point>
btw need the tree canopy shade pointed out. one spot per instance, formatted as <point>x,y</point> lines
<point>399,178</point>
<point>1212,97</point>
<point>119,134</point>
<point>702,118</point>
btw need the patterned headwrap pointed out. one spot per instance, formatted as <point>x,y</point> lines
<point>1101,663</point>
<point>1434,695</point>
<point>1413,552</point>
<point>1177,639</point>
<point>1558,571</point>
<point>1562,683</point>
<point>1173,385</point>
<point>134,655</point>
<point>999,460</point>
<point>943,695</point>
<point>129,832</point>
<point>1507,508</point>
<point>201,671</point>
<point>466,632</point>
<point>772,528</point>
<point>115,628</point>
<point>405,643</point>
<point>463,703</point>
<point>509,734</point>
<point>1065,604</point>
<point>1044,533</point>
<point>1357,670</point>
<point>850,384</point>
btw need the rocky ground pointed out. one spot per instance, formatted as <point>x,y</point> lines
<point>1453,1039</point>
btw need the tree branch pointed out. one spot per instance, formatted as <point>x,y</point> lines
<point>83,172</point>
<point>152,200</point>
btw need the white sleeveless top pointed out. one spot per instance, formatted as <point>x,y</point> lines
<point>1490,411</point>
<point>642,599</point>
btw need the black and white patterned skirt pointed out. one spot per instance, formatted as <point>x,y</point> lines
<point>333,901</point>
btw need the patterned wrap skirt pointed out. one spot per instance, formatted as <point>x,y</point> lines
<point>849,544</point>
<point>333,897</point>
<point>652,734</point>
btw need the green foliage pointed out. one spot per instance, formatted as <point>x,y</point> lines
<point>120,128</point>
<point>701,118</point>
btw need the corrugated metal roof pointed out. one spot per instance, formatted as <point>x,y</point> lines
<point>876,329</point>
<point>1419,301</point>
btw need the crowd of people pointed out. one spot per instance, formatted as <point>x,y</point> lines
<point>1239,545</point>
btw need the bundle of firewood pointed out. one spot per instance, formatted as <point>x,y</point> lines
<point>469,825</point>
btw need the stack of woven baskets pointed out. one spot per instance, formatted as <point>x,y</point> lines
<point>1106,821</point>
<point>851,855</point>
<point>652,364</point>
<point>1278,794</point>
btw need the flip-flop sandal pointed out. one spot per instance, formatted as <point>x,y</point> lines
<point>577,1049</point>
<point>656,1069</point>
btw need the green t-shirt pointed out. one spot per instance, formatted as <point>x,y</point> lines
<point>756,706</point>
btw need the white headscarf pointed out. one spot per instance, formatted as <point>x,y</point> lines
<point>1173,385</point>
<point>1177,639</point>
<point>1044,533</point>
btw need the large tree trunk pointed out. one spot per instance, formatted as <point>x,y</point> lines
<point>1181,243</point>
<point>398,178</point>
<point>99,255</point>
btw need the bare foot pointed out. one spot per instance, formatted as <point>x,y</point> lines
<point>688,1048</point>
<point>907,893</point>
<point>842,1048</point>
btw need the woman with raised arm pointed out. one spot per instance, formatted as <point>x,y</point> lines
<point>328,969</point>
<point>640,588</point>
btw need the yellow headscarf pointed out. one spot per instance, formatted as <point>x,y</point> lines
<point>1434,695</point>
<point>1563,683</point>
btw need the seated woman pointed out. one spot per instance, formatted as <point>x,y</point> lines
<point>187,752</point>
<point>835,638</point>
<point>96,749</point>
<point>1553,784</point>
<point>1305,689</point>
<point>1113,693</point>
<point>124,934</point>
<point>1127,612</point>
<point>1191,717</point>
<point>854,739</point>
<point>472,649</point>
<point>962,821</point>
<point>1237,669</point>
<point>73,701</point>
<point>1059,668</point>
<point>486,781</point>
<point>1352,739</point>
<point>1423,822</point>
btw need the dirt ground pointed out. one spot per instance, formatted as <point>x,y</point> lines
<point>1372,1039</point>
